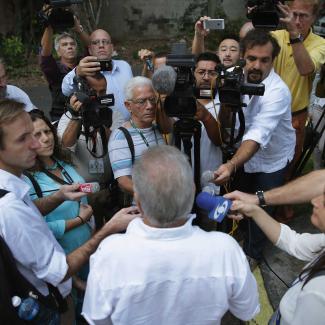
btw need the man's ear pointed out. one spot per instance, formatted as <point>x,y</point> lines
<point>137,202</point>
<point>128,106</point>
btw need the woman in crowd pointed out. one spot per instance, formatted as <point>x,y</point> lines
<point>304,302</point>
<point>70,221</point>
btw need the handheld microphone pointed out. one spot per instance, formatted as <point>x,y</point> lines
<point>207,185</point>
<point>89,187</point>
<point>217,206</point>
<point>164,80</point>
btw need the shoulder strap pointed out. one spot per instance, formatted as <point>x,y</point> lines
<point>129,141</point>
<point>37,188</point>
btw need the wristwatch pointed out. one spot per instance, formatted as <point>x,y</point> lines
<point>261,199</point>
<point>298,39</point>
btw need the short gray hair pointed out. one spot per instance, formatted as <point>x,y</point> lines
<point>134,83</point>
<point>61,36</point>
<point>163,181</point>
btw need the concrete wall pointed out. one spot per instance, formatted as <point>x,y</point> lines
<point>134,19</point>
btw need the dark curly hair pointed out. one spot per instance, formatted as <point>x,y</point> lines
<point>59,153</point>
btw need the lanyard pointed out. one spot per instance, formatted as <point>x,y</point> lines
<point>58,179</point>
<point>142,135</point>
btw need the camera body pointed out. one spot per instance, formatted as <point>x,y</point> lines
<point>266,13</point>
<point>181,102</point>
<point>231,85</point>
<point>60,16</point>
<point>95,110</point>
<point>214,24</point>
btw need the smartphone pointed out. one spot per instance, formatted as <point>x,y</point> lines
<point>214,24</point>
<point>105,65</point>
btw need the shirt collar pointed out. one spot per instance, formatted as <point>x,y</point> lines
<point>14,184</point>
<point>138,228</point>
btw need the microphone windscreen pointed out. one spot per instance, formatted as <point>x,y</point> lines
<point>164,80</point>
<point>207,177</point>
<point>89,187</point>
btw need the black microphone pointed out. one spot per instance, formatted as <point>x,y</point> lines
<point>164,80</point>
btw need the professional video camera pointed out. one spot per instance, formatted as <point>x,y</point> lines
<point>231,85</point>
<point>181,102</point>
<point>95,111</point>
<point>57,14</point>
<point>265,14</point>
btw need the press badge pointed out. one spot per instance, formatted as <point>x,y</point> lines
<point>96,166</point>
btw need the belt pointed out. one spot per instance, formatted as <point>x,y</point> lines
<point>300,111</point>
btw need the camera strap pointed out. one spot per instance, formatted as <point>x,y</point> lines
<point>93,135</point>
<point>58,179</point>
<point>142,135</point>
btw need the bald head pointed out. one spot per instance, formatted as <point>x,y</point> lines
<point>101,45</point>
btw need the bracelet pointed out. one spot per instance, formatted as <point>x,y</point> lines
<point>261,199</point>
<point>82,220</point>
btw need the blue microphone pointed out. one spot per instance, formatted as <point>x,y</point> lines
<point>217,206</point>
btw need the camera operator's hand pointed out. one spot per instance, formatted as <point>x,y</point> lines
<point>199,29</point>
<point>143,54</point>
<point>75,104</point>
<point>223,173</point>
<point>202,114</point>
<point>88,66</point>
<point>288,19</point>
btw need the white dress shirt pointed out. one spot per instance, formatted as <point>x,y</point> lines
<point>38,255</point>
<point>177,276</point>
<point>268,122</point>
<point>305,305</point>
<point>15,93</point>
<point>116,80</point>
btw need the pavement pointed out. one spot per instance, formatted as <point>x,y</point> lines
<point>286,267</point>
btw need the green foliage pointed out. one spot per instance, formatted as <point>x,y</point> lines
<point>13,52</point>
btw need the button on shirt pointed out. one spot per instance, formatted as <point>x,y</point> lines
<point>38,255</point>
<point>177,276</point>
<point>268,122</point>
<point>116,80</point>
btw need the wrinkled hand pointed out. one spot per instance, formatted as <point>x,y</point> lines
<point>288,19</point>
<point>75,104</point>
<point>223,173</point>
<point>85,212</point>
<point>237,195</point>
<point>199,29</point>
<point>69,193</point>
<point>122,218</point>
<point>88,66</point>
<point>144,53</point>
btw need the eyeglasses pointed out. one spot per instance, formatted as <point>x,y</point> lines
<point>210,73</point>
<point>301,16</point>
<point>101,41</point>
<point>143,101</point>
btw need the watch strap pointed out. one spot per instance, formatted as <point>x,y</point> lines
<point>298,39</point>
<point>261,199</point>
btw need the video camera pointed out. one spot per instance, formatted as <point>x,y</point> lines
<point>231,85</point>
<point>57,14</point>
<point>181,102</point>
<point>266,13</point>
<point>95,111</point>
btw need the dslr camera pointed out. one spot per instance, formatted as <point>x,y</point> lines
<point>95,111</point>
<point>231,85</point>
<point>265,14</point>
<point>58,15</point>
